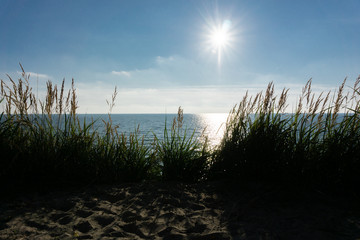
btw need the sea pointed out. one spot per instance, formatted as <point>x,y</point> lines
<point>211,125</point>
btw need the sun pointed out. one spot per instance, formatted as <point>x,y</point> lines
<point>220,37</point>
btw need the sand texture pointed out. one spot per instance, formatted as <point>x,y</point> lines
<point>179,211</point>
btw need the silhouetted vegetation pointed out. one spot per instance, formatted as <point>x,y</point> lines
<point>45,144</point>
<point>183,157</point>
<point>318,144</point>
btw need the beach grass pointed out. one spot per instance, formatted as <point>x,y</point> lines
<point>318,144</point>
<point>183,156</point>
<point>45,144</point>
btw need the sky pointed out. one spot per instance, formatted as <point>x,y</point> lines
<point>160,54</point>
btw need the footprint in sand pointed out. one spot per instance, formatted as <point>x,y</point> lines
<point>133,228</point>
<point>129,216</point>
<point>57,216</point>
<point>61,218</point>
<point>198,228</point>
<point>166,217</point>
<point>83,226</point>
<point>104,220</point>
<point>171,233</point>
<point>36,225</point>
<point>83,213</point>
<point>114,232</point>
<point>65,220</point>
<point>102,209</point>
<point>91,204</point>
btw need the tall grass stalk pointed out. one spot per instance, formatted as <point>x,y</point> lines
<point>183,156</point>
<point>45,143</point>
<point>317,144</point>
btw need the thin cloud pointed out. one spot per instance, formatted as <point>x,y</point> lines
<point>162,60</point>
<point>169,71</point>
<point>121,73</point>
<point>195,99</point>
<point>37,75</point>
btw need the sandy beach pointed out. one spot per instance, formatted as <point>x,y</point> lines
<point>179,211</point>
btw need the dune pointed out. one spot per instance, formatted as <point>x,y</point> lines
<point>179,211</point>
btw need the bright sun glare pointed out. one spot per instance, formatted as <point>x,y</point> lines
<point>219,37</point>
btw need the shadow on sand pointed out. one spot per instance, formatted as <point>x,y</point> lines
<point>216,210</point>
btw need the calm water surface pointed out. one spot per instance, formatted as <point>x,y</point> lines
<point>213,124</point>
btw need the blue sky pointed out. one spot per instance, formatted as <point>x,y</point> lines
<point>158,54</point>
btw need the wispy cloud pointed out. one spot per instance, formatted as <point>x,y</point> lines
<point>37,75</point>
<point>196,99</point>
<point>162,60</point>
<point>197,86</point>
<point>178,71</point>
<point>121,73</point>
<point>168,71</point>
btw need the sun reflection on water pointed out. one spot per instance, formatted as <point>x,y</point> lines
<point>214,125</point>
<point>150,125</point>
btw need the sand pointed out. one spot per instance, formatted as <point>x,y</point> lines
<point>179,211</point>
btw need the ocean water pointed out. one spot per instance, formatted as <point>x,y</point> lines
<point>211,124</point>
